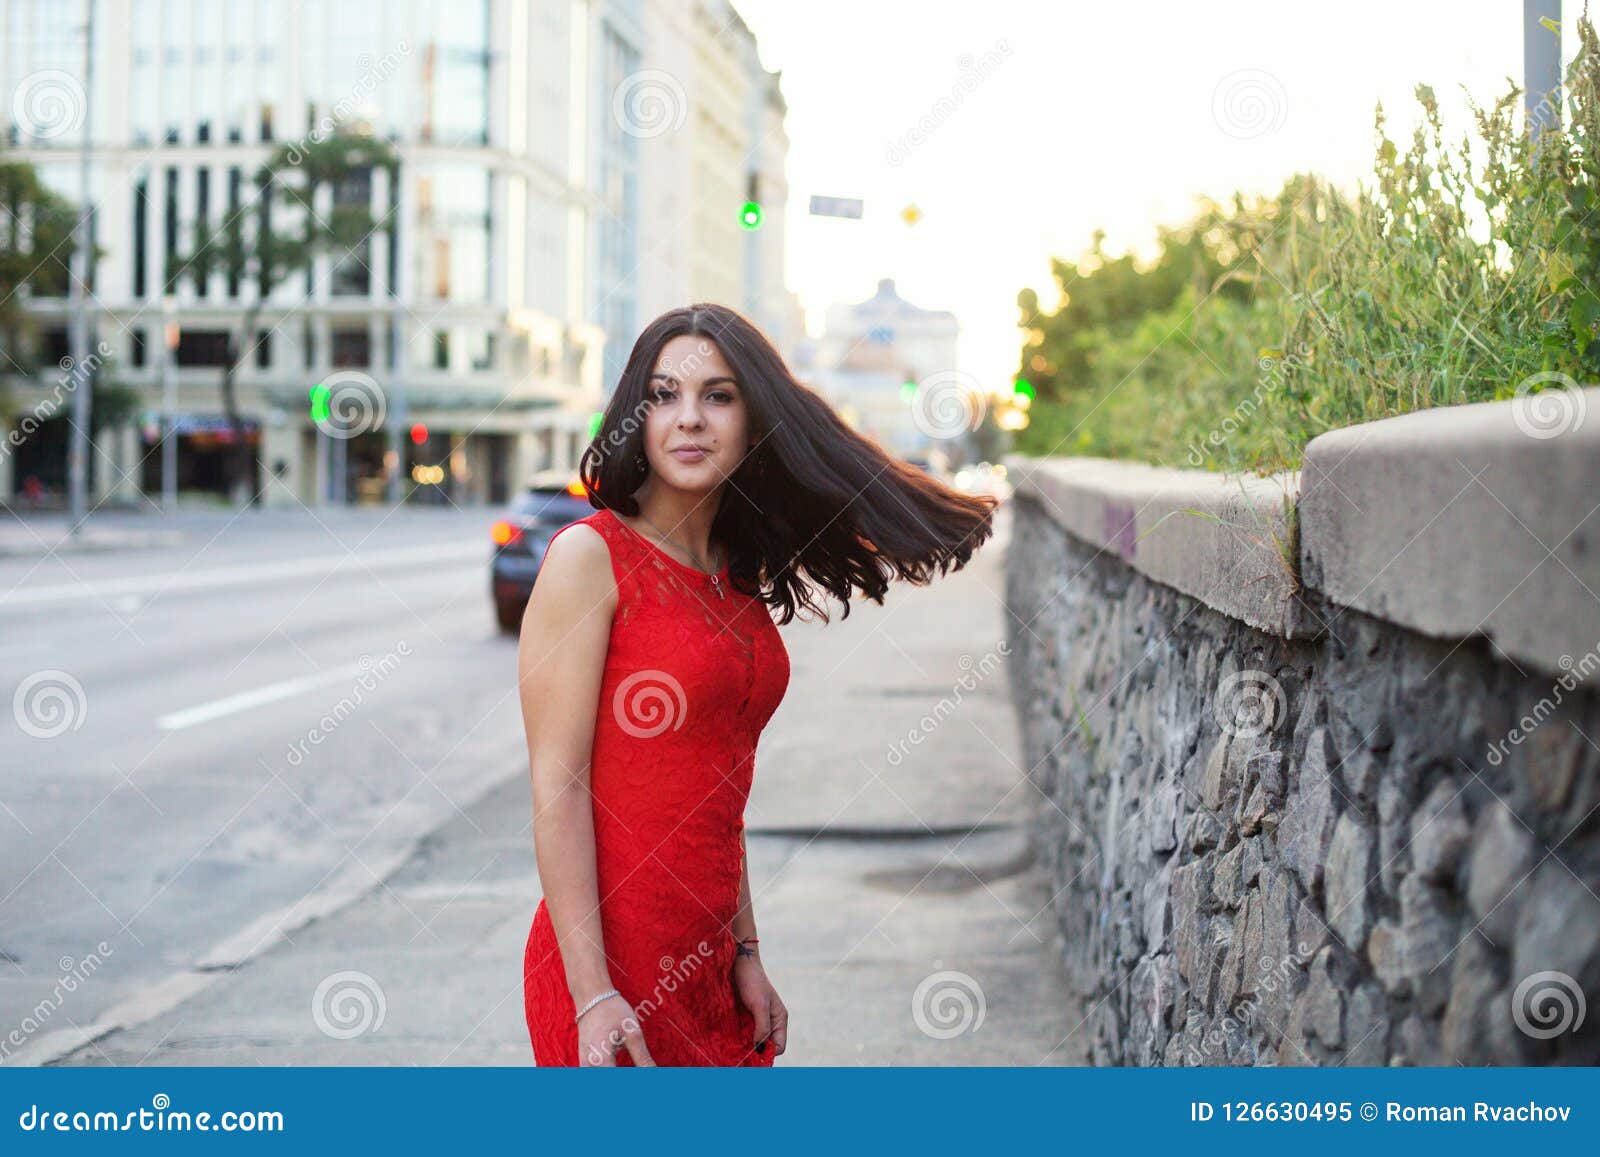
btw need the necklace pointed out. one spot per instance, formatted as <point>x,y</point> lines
<point>716,582</point>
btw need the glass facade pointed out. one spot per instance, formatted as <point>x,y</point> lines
<point>618,178</point>
<point>453,231</point>
<point>453,88</point>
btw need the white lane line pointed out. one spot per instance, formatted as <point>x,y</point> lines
<point>233,576</point>
<point>245,700</point>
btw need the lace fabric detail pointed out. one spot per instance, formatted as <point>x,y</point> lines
<point>691,678</point>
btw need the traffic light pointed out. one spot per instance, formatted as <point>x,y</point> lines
<point>750,215</point>
<point>419,433</point>
<point>319,403</point>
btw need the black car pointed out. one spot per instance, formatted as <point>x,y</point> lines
<point>520,539</point>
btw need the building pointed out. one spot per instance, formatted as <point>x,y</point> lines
<point>872,357</point>
<point>709,121</point>
<point>515,276</point>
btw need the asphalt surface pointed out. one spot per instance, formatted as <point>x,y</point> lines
<point>265,801</point>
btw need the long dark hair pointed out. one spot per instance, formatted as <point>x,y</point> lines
<point>813,504</point>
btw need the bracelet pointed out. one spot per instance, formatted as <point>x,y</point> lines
<point>603,996</point>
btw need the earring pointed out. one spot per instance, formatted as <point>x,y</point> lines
<point>640,463</point>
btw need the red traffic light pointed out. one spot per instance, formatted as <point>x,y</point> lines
<point>419,433</point>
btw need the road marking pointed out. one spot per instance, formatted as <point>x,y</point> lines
<point>214,578</point>
<point>245,700</point>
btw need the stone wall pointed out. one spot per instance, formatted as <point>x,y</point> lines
<point>1336,841</point>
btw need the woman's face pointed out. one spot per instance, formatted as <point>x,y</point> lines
<point>695,428</point>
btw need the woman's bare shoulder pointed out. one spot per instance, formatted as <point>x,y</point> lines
<point>578,559</point>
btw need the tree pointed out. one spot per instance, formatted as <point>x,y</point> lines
<point>36,246</point>
<point>253,247</point>
<point>1219,252</point>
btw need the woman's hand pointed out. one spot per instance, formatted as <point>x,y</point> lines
<point>607,1029</point>
<point>756,993</point>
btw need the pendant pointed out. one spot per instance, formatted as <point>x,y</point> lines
<point>716,585</point>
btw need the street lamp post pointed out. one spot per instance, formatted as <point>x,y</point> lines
<point>82,413</point>
<point>398,424</point>
<point>169,405</point>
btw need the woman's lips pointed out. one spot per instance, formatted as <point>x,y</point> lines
<point>688,454</point>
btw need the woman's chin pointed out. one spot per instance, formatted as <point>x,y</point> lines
<point>700,477</point>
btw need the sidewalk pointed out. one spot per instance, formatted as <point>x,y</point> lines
<point>880,883</point>
<point>42,534</point>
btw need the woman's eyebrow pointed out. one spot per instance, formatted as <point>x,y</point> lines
<point>717,381</point>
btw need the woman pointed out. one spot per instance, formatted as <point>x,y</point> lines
<point>649,663</point>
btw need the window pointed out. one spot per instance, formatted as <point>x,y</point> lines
<point>234,179</point>
<point>352,348</point>
<point>441,349</point>
<point>263,349</point>
<point>141,223</point>
<point>54,346</point>
<point>482,349</point>
<point>202,221</point>
<point>352,275</point>
<point>264,225</point>
<point>136,354</point>
<point>453,223</point>
<point>170,232</point>
<point>203,347</point>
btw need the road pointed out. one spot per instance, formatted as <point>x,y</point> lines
<point>289,740</point>
<point>176,818</point>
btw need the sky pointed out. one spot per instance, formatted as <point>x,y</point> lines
<point>1070,116</point>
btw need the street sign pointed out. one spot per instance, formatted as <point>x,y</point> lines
<point>836,207</point>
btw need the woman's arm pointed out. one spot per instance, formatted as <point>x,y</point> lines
<point>750,983</point>
<point>744,920</point>
<point>560,660</point>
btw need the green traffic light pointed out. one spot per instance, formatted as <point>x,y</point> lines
<point>750,215</point>
<point>1024,387</point>
<point>594,423</point>
<point>319,402</point>
<point>908,390</point>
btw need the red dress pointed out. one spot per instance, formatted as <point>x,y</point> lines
<point>693,672</point>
